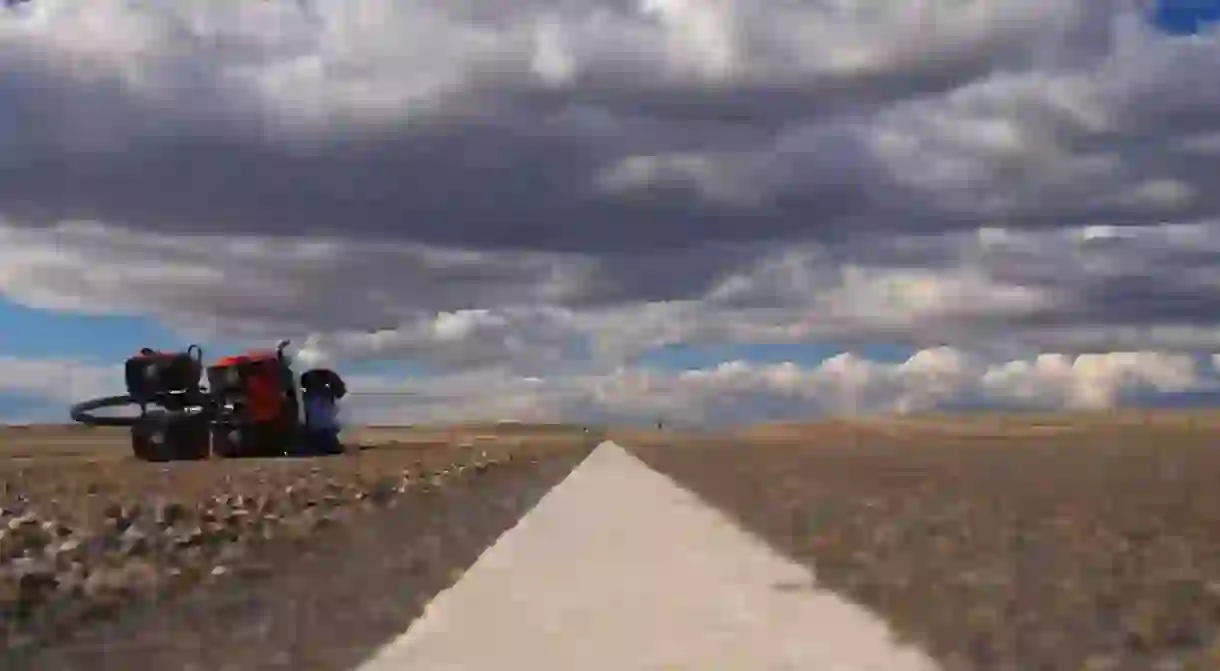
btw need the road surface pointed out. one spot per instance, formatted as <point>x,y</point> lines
<point>618,568</point>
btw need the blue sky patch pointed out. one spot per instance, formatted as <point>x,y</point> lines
<point>1185,17</point>
<point>32,333</point>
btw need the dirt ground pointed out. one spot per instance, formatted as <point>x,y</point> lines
<point>998,543</point>
<point>111,563</point>
<point>74,473</point>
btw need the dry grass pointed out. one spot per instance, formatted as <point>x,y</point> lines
<point>997,542</point>
<point>73,473</point>
<point>87,531</point>
<point>992,424</point>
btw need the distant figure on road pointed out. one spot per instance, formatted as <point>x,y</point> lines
<point>321,388</point>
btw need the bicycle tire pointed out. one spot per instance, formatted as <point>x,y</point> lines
<point>81,412</point>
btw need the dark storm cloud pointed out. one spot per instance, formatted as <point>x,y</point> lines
<point>471,186</point>
<point>501,162</point>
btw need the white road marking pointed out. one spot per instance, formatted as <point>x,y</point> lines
<point>620,569</point>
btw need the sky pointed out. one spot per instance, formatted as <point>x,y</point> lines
<point>706,211</point>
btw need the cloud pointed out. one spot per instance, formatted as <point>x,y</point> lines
<point>287,282</point>
<point>731,392</point>
<point>552,189</point>
<point>59,379</point>
<point>931,379</point>
<point>398,119</point>
<point>1090,381</point>
<point>528,340</point>
<point>1001,291</point>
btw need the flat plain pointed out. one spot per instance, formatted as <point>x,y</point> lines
<point>294,563</point>
<point>995,542</point>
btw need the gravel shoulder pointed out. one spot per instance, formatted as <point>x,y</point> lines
<point>1087,547</point>
<point>107,563</point>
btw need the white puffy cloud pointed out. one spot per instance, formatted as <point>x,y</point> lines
<point>931,379</point>
<point>734,391</point>
<point>1090,381</point>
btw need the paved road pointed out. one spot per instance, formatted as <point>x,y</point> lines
<point>618,568</point>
